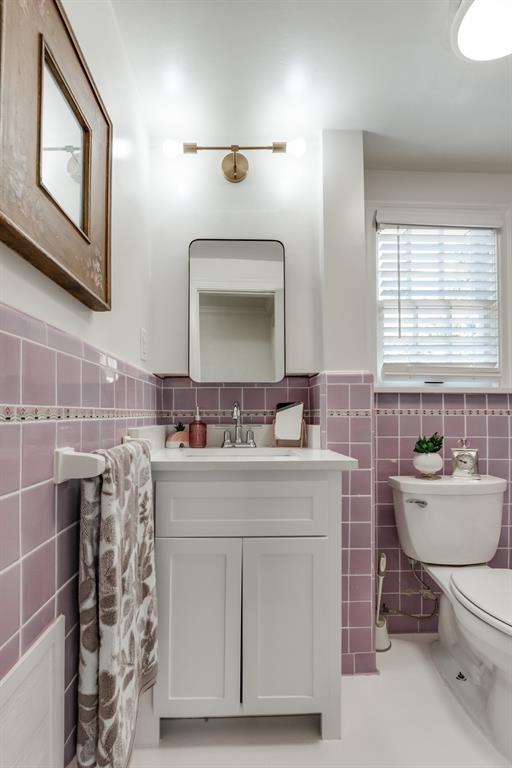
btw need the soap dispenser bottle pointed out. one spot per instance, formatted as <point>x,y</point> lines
<point>197,432</point>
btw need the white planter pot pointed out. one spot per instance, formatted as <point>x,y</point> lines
<point>427,464</point>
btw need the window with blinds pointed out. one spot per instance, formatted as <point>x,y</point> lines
<point>437,302</point>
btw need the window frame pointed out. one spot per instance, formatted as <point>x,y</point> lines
<point>498,217</point>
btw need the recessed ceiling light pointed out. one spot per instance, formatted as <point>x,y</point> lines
<point>482,29</point>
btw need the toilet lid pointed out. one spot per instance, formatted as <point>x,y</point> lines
<point>488,589</point>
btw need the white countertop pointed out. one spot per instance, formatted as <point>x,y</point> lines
<point>183,459</point>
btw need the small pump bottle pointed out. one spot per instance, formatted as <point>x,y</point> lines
<point>197,432</point>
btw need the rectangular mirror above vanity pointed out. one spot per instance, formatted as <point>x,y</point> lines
<point>236,311</point>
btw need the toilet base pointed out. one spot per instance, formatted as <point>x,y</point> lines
<point>468,694</point>
<point>484,693</point>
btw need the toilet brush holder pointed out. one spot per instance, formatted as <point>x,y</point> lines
<point>382,641</point>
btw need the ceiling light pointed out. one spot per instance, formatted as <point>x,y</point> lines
<point>172,148</point>
<point>235,166</point>
<point>482,29</point>
<point>296,147</point>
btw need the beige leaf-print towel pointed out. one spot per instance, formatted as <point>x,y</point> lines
<point>117,596</point>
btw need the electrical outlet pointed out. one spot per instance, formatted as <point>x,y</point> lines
<point>143,344</point>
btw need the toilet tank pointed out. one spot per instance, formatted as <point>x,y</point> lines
<point>449,521</point>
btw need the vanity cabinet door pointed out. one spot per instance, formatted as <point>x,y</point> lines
<point>199,606</point>
<point>285,625</point>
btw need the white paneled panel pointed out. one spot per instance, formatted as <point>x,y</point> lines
<point>242,508</point>
<point>199,588</point>
<point>32,705</point>
<point>285,626</point>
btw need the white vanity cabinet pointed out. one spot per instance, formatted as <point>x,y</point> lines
<point>277,623</point>
<point>248,565</point>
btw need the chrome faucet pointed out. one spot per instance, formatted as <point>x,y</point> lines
<point>237,416</point>
<point>238,442</point>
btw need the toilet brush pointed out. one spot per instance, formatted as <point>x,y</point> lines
<point>382,641</point>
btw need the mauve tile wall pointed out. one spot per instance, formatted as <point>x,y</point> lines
<point>258,401</point>
<point>343,406</point>
<point>399,419</point>
<point>54,391</point>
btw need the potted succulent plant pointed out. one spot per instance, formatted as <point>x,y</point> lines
<point>427,460</point>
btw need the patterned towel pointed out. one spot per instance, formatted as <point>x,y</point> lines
<point>117,596</point>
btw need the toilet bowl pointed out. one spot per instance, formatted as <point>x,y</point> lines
<point>452,527</point>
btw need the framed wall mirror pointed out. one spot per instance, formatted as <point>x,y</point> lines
<point>64,169</point>
<point>55,152</point>
<point>236,311</point>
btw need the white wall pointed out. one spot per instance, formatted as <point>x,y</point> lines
<point>27,289</point>
<point>344,255</point>
<point>280,199</point>
<point>314,204</point>
<point>439,189</point>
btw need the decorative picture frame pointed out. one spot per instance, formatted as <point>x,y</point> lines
<point>55,152</point>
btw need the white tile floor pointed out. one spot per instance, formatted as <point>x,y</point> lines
<point>403,718</point>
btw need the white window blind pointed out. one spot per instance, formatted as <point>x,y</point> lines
<point>438,301</point>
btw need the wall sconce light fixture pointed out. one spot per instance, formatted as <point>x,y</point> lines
<point>235,165</point>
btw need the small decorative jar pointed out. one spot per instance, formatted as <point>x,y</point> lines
<point>179,438</point>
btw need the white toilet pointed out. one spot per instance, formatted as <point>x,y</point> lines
<point>452,526</point>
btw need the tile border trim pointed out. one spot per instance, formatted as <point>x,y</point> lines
<point>31,413</point>
<point>26,413</point>
<point>443,411</point>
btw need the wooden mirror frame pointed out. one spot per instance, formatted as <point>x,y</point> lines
<point>32,222</point>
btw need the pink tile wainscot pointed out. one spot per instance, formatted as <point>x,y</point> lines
<point>38,580</point>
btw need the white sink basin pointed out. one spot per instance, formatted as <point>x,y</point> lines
<point>246,453</point>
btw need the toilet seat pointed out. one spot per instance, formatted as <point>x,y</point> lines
<point>486,593</point>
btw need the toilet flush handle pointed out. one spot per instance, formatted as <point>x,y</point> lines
<point>419,502</point>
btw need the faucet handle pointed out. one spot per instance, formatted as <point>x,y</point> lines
<point>227,443</point>
<point>250,438</point>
